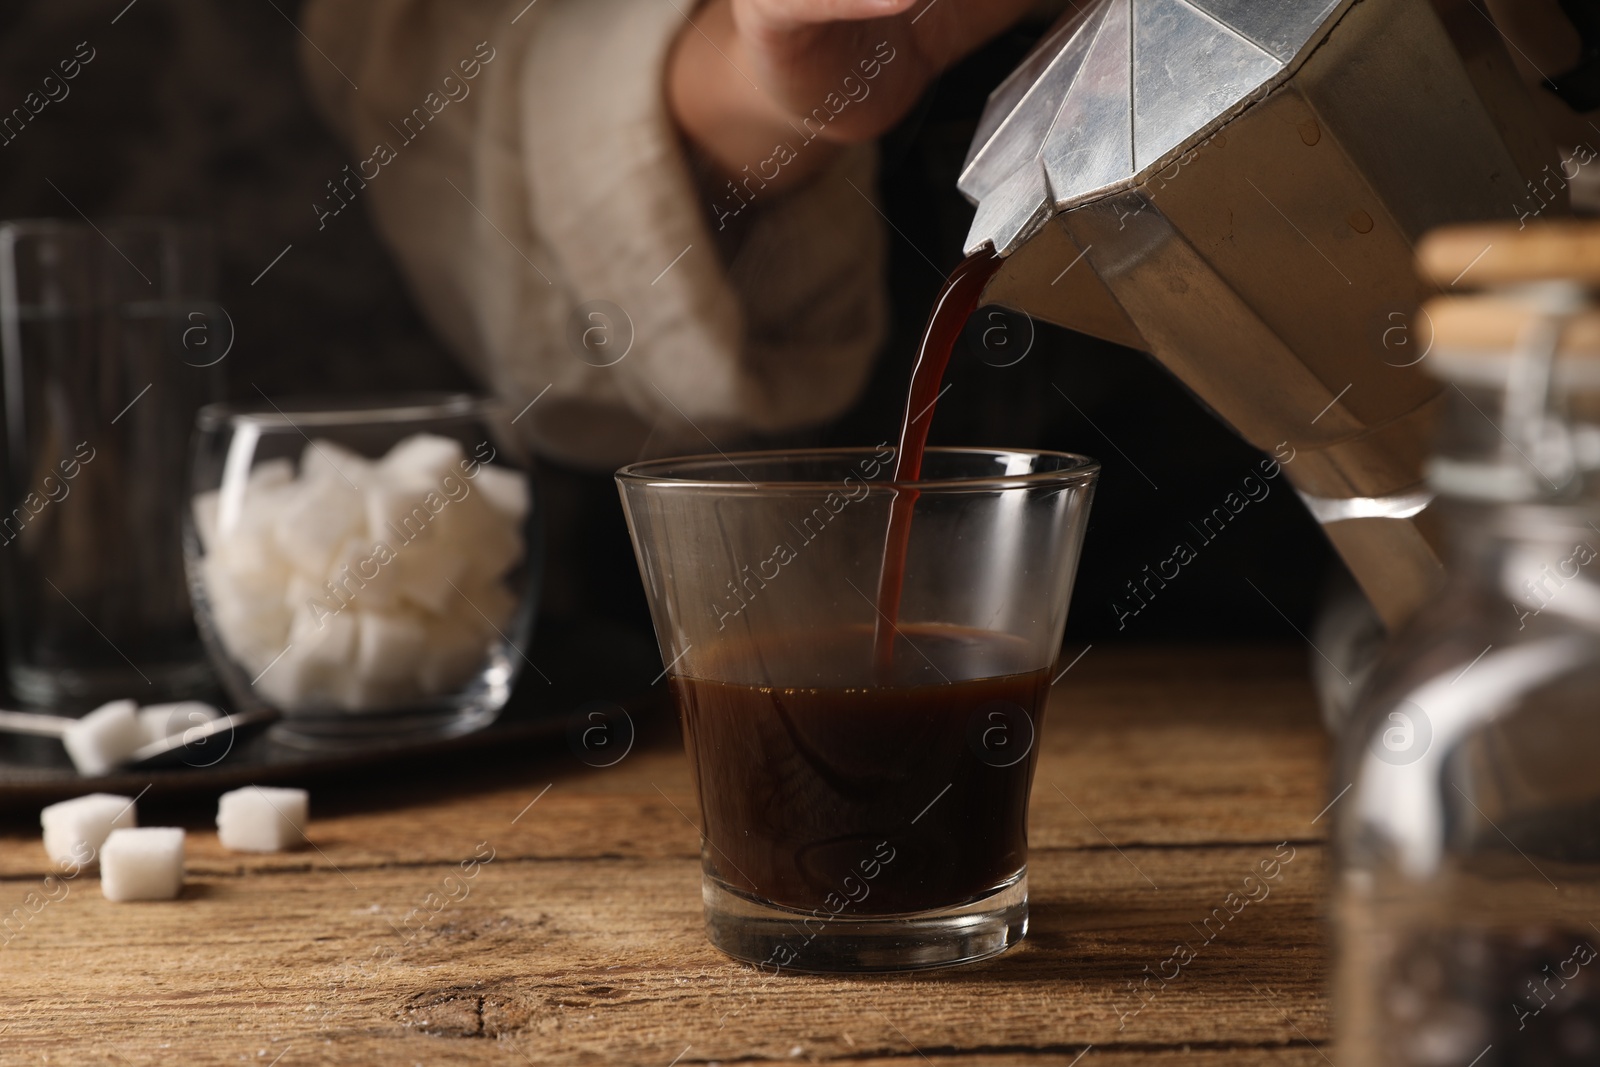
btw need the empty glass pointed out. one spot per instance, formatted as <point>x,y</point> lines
<point>110,343</point>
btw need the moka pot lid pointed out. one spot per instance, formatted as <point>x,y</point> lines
<point>1119,89</point>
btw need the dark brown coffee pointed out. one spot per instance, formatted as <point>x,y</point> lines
<point>956,302</point>
<point>853,792</point>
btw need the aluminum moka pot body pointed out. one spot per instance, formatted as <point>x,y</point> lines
<point>1236,187</point>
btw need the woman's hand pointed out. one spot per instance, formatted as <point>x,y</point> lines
<point>812,75</point>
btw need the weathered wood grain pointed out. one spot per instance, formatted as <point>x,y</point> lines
<point>604,961</point>
<point>580,940</point>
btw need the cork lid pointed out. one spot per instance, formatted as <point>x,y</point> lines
<point>1516,333</point>
<point>1482,255</point>
<point>1475,339</point>
<point>1509,292</point>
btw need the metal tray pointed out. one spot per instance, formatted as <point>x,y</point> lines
<point>589,687</point>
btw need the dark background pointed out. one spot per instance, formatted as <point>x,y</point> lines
<point>196,109</point>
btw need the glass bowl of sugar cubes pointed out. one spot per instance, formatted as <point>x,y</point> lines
<point>366,571</point>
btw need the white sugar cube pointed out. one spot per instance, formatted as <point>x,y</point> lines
<point>253,639</point>
<point>506,490</point>
<point>324,639</point>
<point>320,516</point>
<point>157,722</point>
<point>262,819</point>
<point>321,649</point>
<point>246,511</point>
<point>271,472</point>
<point>252,511</point>
<point>390,647</point>
<point>493,555</point>
<point>430,570</point>
<point>397,515</point>
<point>247,550</point>
<point>244,580</point>
<point>310,592</point>
<point>104,739</point>
<point>325,459</point>
<point>488,541</point>
<point>75,829</point>
<point>361,574</point>
<point>142,864</point>
<point>422,461</point>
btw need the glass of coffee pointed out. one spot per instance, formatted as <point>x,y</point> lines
<point>861,667</point>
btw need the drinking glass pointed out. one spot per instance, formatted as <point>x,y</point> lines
<point>367,571</point>
<point>110,343</point>
<point>860,810</point>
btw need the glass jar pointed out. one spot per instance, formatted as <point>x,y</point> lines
<point>365,571</point>
<point>1467,787</point>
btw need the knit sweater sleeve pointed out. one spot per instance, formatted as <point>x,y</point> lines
<point>521,164</point>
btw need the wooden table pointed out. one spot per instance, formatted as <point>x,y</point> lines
<point>1166,777</point>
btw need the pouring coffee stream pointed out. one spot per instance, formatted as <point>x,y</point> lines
<point>957,300</point>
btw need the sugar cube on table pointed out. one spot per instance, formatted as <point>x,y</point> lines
<point>142,864</point>
<point>104,738</point>
<point>75,829</point>
<point>157,722</point>
<point>262,819</point>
